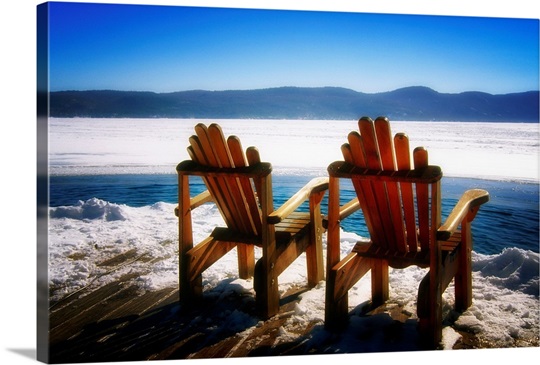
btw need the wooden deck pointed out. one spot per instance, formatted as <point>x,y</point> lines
<point>117,322</point>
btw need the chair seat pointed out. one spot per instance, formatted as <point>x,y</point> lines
<point>296,224</point>
<point>403,259</point>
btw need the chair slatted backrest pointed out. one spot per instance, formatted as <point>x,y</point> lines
<point>401,216</point>
<point>234,196</point>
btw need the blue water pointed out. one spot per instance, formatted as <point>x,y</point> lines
<point>509,219</point>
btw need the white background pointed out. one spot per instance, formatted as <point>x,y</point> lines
<point>18,188</point>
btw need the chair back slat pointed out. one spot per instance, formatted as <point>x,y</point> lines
<point>388,163</point>
<point>403,161</point>
<point>420,157</point>
<point>254,158</point>
<point>371,147</point>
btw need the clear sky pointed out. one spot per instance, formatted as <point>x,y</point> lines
<point>175,48</point>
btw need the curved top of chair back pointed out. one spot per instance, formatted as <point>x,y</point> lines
<point>234,195</point>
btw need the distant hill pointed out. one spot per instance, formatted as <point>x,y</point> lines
<point>411,103</point>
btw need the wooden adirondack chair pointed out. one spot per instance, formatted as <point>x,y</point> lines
<point>402,210</point>
<point>241,187</point>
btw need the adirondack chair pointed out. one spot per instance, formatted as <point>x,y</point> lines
<point>402,210</point>
<point>241,187</point>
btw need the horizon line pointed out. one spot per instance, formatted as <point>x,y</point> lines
<point>296,87</point>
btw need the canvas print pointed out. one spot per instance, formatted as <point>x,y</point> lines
<point>227,182</point>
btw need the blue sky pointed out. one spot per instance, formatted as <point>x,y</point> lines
<point>174,48</point>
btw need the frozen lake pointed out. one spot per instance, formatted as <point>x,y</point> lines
<point>78,146</point>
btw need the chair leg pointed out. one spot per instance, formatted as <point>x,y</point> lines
<point>336,311</point>
<point>429,311</point>
<point>246,260</point>
<point>423,309</point>
<point>266,291</point>
<point>314,259</point>
<point>340,278</point>
<point>195,262</point>
<point>379,282</point>
<point>314,251</point>
<point>463,278</point>
<point>190,290</point>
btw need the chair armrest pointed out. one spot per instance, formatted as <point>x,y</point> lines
<point>471,199</point>
<point>200,199</point>
<point>349,208</point>
<point>344,211</point>
<point>197,201</point>
<point>315,185</point>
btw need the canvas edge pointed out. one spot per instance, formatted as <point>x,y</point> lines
<point>42,183</point>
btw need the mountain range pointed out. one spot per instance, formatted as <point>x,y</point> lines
<point>331,103</point>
